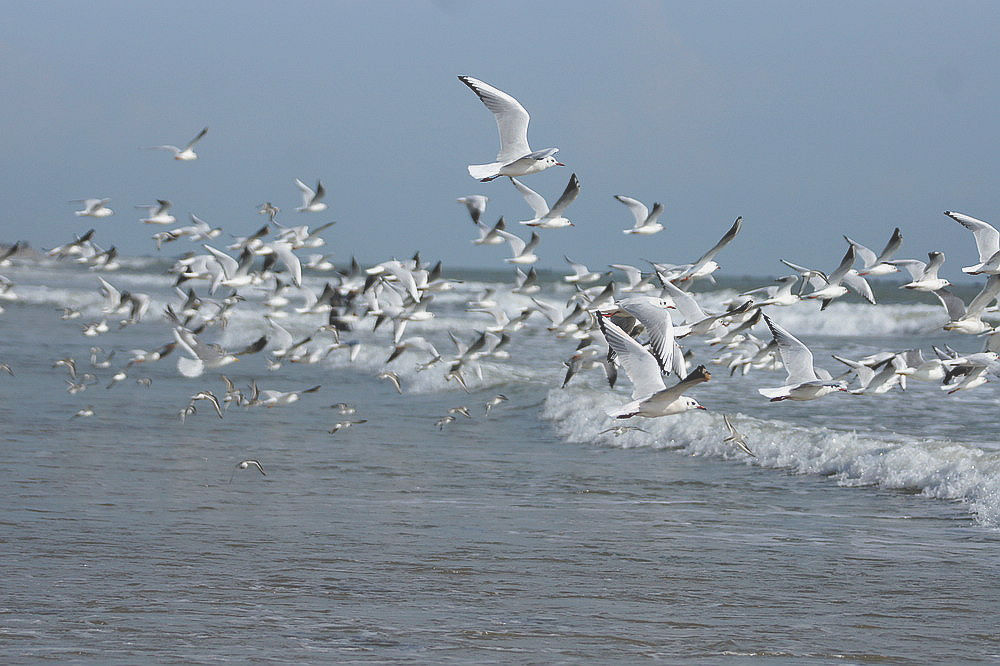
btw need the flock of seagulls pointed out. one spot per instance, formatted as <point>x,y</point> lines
<point>640,325</point>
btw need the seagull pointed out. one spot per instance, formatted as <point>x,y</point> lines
<point>515,157</point>
<point>581,274</point>
<point>495,402</point>
<point>158,213</point>
<point>987,242</point>
<point>392,377</point>
<point>920,369</point>
<point>343,425</point>
<point>968,320</point>
<point>526,283</point>
<point>846,275</point>
<point>925,276</point>
<point>871,382</point>
<point>705,265</point>
<point>311,200</point>
<point>636,282</point>
<point>777,295</point>
<point>622,429</point>
<point>269,209</point>
<point>645,221</point>
<point>545,217</point>
<point>463,410</point>
<point>736,437</point>
<point>119,376</point>
<point>803,382</point>
<point>270,398</point>
<point>344,408</point>
<point>475,204</point>
<point>244,464</point>
<point>210,397</point>
<point>650,396</point>
<point>201,356</point>
<point>185,154</point>
<point>443,421</point>
<point>185,412</point>
<point>490,235</point>
<point>5,367</point>
<point>524,253</point>
<point>86,411</point>
<point>877,265</point>
<point>94,208</point>
<point>70,365</point>
<point>7,252</point>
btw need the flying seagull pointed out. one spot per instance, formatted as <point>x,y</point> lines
<point>515,157</point>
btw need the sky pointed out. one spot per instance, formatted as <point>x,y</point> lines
<point>810,120</point>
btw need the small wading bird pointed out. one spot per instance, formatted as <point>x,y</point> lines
<point>244,464</point>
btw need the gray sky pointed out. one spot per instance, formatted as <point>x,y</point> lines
<point>809,119</point>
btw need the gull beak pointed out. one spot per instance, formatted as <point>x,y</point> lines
<point>560,164</point>
<point>702,407</point>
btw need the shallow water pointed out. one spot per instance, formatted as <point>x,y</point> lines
<point>864,530</point>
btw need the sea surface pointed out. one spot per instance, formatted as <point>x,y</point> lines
<point>864,530</point>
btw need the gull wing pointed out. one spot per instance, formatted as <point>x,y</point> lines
<point>987,237</point>
<point>988,294</point>
<point>807,273</point>
<point>685,303</point>
<point>845,265</point>
<point>229,265</point>
<point>936,260</point>
<point>867,256</point>
<point>891,247</point>
<point>637,208</point>
<point>654,214</point>
<point>551,312</point>
<point>475,204</point>
<point>512,119</point>
<point>578,269</point>
<point>111,295</point>
<point>307,192</point>
<point>533,198</point>
<point>516,244</point>
<point>283,250</point>
<point>952,303</point>
<point>532,243</point>
<point>659,327</point>
<point>859,285</point>
<point>723,242</point>
<point>196,139</point>
<point>569,195</point>
<point>642,369</point>
<point>914,267</point>
<point>797,358</point>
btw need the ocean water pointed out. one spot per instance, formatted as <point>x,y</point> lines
<point>864,530</point>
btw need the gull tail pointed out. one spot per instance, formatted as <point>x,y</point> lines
<point>483,171</point>
<point>190,367</point>
<point>626,411</point>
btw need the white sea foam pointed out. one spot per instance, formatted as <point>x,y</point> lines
<point>937,469</point>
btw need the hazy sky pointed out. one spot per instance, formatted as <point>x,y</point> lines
<point>808,119</point>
